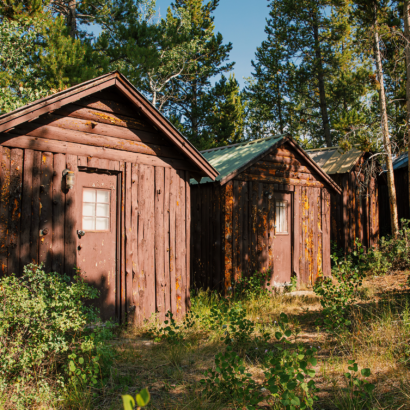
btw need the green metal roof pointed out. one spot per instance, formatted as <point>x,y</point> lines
<point>334,160</point>
<point>231,158</point>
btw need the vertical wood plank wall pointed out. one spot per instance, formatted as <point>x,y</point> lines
<point>234,223</point>
<point>354,215</point>
<point>100,132</point>
<point>156,219</point>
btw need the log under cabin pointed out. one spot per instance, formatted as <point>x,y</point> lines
<point>269,209</point>
<point>95,177</point>
<point>355,213</point>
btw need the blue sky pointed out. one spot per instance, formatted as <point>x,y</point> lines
<point>242,22</point>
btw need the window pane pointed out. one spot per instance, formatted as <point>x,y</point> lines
<point>103,196</point>
<point>281,217</point>
<point>103,210</point>
<point>89,195</point>
<point>89,223</point>
<point>102,224</point>
<point>88,209</point>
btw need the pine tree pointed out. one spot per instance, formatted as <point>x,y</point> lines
<point>192,91</point>
<point>372,15</point>
<point>307,59</point>
<point>225,115</point>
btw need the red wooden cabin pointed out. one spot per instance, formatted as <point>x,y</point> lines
<point>95,177</point>
<point>355,213</point>
<point>269,209</point>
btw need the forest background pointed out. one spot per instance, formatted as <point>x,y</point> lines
<point>329,72</point>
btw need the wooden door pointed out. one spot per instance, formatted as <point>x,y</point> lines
<point>97,235</point>
<point>282,240</point>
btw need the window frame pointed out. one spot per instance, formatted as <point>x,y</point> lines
<point>95,216</point>
<point>277,232</point>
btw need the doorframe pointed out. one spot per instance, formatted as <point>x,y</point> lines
<point>283,190</point>
<point>119,216</point>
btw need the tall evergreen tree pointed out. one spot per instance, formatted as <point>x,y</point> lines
<point>307,58</point>
<point>192,91</point>
<point>225,115</point>
<point>372,15</point>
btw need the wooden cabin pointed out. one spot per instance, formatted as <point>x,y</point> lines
<point>401,182</point>
<point>354,213</point>
<point>269,209</point>
<point>95,177</point>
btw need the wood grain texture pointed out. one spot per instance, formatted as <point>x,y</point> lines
<point>172,238</point>
<point>326,232</point>
<point>35,208</point>
<point>42,144</point>
<point>92,127</point>
<point>26,207</point>
<point>159,242</point>
<point>166,256</point>
<point>228,237</point>
<point>4,209</point>
<point>70,222</point>
<point>121,203</point>
<point>92,114</point>
<point>58,213</point>
<point>96,140</point>
<point>46,210</point>
<point>188,242</point>
<point>146,237</point>
<point>128,243</point>
<point>296,233</point>
<point>181,246</point>
<point>137,289</point>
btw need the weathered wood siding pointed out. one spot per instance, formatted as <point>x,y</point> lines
<point>100,132</point>
<point>232,225</point>
<point>354,214</point>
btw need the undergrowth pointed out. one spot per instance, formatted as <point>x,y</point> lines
<point>48,352</point>
<point>345,346</point>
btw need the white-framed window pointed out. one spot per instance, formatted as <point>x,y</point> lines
<point>96,209</point>
<point>281,217</point>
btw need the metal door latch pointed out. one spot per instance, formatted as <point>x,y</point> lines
<point>44,232</point>
<point>80,233</point>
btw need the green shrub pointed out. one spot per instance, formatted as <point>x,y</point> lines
<point>252,287</point>
<point>44,335</point>
<point>338,296</point>
<point>390,253</point>
<point>288,375</point>
<point>358,393</point>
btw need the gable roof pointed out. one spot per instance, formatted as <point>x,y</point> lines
<point>231,160</point>
<point>334,160</point>
<point>53,102</point>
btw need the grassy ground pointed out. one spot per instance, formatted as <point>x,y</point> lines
<point>379,339</point>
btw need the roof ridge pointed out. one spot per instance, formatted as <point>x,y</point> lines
<point>242,143</point>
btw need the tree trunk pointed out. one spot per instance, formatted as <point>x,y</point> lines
<point>279,106</point>
<point>321,84</point>
<point>194,112</point>
<point>385,131</point>
<point>72,18</point>
<point>406,17</point>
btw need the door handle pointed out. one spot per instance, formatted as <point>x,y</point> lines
<point>80,233</point>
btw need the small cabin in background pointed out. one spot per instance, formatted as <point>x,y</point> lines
<point>401,181</point>
<point>269,209</point>
<point>355,212</point>
<point>95,177</point>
